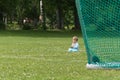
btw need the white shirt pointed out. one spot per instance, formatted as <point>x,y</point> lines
<point>75,45</point>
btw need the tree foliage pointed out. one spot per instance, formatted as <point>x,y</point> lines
<point>57,13</point>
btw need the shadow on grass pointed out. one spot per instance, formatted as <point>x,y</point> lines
<point>37,33</point>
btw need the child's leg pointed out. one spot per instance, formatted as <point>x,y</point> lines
<point>72,50</point>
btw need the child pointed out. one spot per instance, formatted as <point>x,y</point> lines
<point>75,46</point>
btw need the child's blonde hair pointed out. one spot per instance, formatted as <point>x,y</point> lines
<point>75,38</point>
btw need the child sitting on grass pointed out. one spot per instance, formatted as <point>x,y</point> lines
<point>75,46</point>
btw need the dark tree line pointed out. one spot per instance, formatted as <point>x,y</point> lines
<point>52,14</point>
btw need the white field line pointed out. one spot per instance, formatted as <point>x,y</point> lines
<point>22,57</point>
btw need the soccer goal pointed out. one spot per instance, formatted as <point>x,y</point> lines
<point>100,22</point>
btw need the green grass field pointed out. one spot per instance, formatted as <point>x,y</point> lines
<point>39,55</point>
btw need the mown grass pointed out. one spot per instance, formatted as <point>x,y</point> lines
<point>39,55</point>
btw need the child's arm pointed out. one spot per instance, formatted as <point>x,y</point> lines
<point>72,45</point>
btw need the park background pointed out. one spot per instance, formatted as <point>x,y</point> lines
<point>37,48</point>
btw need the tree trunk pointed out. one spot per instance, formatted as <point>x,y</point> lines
<point>76,19</point>
<point>42,16</point>
<point>44,20</point>
<point>5,19</point>
<point>59,13</point>
<point>2,25</point>
<point>1,17</point>
<point>11,19</point>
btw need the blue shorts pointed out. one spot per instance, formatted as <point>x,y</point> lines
<point>72,50</point>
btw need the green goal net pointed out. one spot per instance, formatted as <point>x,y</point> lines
<point>100,22</point>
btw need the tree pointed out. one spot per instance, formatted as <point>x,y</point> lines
<point>56,13</point>
<point>3,10</point>
<point>76,19</point>
<point>59,13</point>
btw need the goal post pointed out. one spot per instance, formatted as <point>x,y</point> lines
<point>100,23</point>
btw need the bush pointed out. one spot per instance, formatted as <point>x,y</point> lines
<point>27,26</point>
<point>2,26</point>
